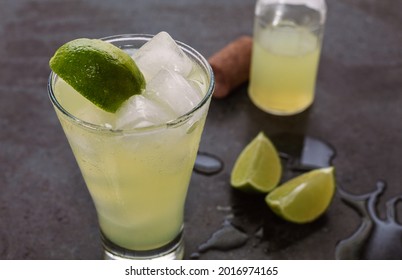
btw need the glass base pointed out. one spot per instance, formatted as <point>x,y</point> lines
<point>279,112</point>
<point>171,251</point>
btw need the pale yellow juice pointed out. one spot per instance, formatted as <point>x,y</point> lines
<point>283,69</point>
<point>138,181</point>
<point>137,178</point>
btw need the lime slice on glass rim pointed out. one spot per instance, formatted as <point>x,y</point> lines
<point>98,70</point>
<point>258,167</point>
<point>304,198</point>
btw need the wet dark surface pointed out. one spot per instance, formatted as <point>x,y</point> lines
<point>45,209</point>
<point>376,238</point>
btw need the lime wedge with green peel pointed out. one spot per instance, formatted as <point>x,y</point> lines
<point>100,71</point>
<point>304,198</point>
<point>258,167</point>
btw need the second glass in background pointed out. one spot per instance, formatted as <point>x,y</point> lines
<point>286,49</point>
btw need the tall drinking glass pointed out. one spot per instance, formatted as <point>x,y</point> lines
<point>138,178</point>
<point>286,49</point>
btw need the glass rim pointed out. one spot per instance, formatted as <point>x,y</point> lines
<point>195,55</point>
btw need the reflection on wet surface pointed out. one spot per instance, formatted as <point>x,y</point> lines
<point>248,217</point>
<point>226,238</point>
<point>375,239</point>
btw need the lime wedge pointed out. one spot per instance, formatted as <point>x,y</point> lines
<point>304,198</point>
<point>258,167</point>
<point>100,71</point>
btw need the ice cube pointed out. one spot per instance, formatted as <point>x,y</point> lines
<point>162,52</point>
<point>140,111</point>
<point>170,88</point>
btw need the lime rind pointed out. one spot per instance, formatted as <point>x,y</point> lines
<point>258,168</point>
<point>100,71</point>
<point>304,198</point>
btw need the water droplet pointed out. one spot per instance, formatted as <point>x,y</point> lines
<point>226,238</point>
<point>375,239</point>
<point>208,164</point>
<point>224,208</point>
<point>195,256</point>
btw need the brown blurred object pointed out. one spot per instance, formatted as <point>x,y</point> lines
<point>231,65</point>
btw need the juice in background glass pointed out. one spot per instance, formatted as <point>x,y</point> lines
<point>138,170</point>
<point>286,50</point>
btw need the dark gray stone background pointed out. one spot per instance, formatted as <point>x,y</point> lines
<point>45,209</point>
